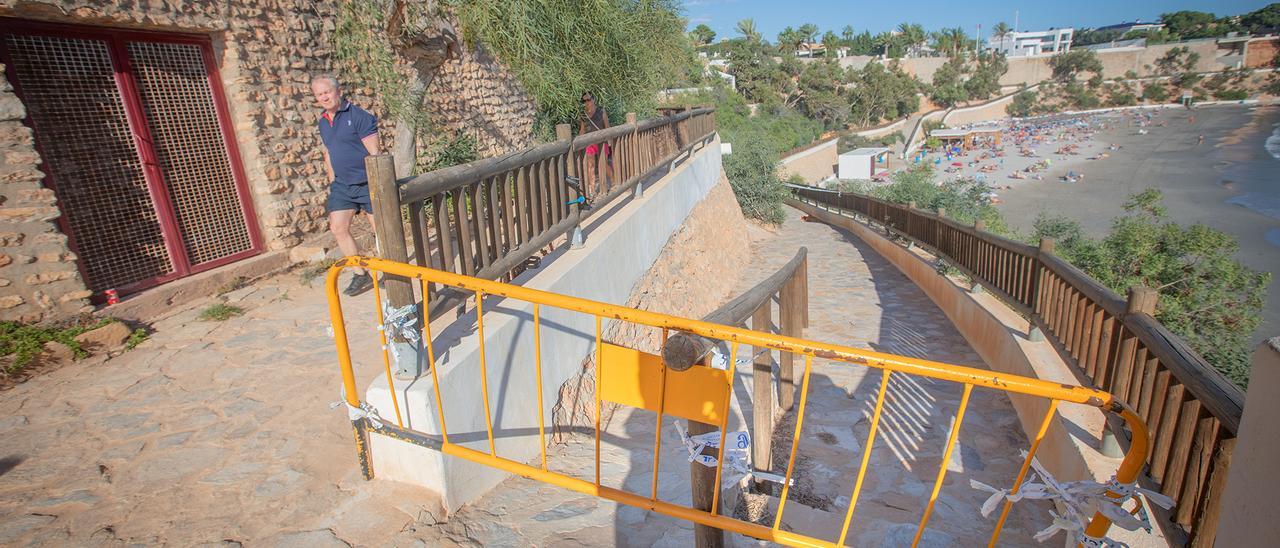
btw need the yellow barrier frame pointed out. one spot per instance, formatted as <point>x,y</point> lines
<point>888,363</point>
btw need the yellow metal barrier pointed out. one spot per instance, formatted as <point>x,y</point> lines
<point>637,379</point>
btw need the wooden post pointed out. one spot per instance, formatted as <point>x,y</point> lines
<point>388,226</point>
<point>762,386</point>
<point>979,225</point>
<point>788,317</point>
<point>1037,281</point>
<point>702,485</point>
<point>1142,300</point>
<point>576,238</point>
<point>942,213</point>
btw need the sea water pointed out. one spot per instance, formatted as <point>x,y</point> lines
<point>1257,178</point>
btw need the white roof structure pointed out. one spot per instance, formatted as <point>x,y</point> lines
<point>866,151</point>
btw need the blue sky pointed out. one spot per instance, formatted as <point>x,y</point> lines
<point>772,16</point>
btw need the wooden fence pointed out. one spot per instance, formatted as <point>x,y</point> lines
<point>488,217</point>
<point>1192,410</point>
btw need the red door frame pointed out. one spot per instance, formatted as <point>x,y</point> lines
<point>132,100</point>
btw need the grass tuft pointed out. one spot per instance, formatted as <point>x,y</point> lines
<point>220,312</point>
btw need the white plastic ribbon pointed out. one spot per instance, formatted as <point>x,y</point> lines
<point>736,455</point>
<point>1080,500</point>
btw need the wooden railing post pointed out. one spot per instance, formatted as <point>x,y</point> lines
<point>762,387</point>
<point>629,160</point>
<point>788,317</point>
<point>576,238</point>
<point>1037,279</point>
<point>384,195</point>
<point>388,226</point>
<point>702,485</point>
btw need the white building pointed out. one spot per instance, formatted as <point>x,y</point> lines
<point>863,163</point>
<point>1027,44</point>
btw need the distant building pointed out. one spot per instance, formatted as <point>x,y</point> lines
<point>1126,28</point>
<point>1027,44</point>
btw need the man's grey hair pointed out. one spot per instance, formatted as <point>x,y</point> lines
<point>326,78</point>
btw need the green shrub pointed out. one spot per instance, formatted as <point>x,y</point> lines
<point>1022,105</point>
<point>623,50</point>
<point>752,170</point>
<point>1231,94</point>
<point>1156,93</point>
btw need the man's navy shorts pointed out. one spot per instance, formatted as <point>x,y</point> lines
<point>343,196</point>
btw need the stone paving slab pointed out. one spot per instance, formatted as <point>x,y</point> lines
<point>209,432</point>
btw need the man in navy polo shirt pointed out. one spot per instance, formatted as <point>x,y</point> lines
<point>349,133</point>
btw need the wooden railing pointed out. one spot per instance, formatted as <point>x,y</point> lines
<point>1192,410</point>
<point>488,217</point>
<point>790,285</point>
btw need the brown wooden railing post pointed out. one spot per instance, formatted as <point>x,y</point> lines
<point>388,226</point>
<point>762,387</point>
<point>788,316</point>
<point>384,195</point>
<point>576,238</point>
<point>702,485</point>
<point>1037,279</point>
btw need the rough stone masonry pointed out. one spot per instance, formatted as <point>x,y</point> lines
<point>265,52</point>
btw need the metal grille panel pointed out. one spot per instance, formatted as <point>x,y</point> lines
<point>87,146</point>
<point>189,146</point>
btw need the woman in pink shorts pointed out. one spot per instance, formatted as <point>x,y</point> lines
<point>594,119</point>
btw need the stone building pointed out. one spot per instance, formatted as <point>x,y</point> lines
<point>145,141</point>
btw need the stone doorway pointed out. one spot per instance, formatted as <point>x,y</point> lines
<point>138,147</point>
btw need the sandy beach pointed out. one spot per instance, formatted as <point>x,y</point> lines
<point>1229,181</point>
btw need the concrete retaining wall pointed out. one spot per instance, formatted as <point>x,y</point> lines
<point>621,246</point>
<point>813,164</point>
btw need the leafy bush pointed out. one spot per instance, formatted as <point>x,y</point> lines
<point>1156,93</point>
<point>560,48</point>
<point>1066,66</point>
<point>966,200</point>
<point>752,170</point>
<point>1022,105</point>
<point>1206,296</point>
<point>1231,94</point>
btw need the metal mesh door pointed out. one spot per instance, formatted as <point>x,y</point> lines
<point>87,146</point>
<point>189,146</point>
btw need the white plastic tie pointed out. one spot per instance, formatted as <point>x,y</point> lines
<point>1080,500</point>
<point>364,411</point>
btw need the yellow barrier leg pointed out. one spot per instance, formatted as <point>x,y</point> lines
<point>942,469</point>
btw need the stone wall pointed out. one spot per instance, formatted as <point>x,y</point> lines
<point>266,51</point>
<point>38,275</point>
<point>475,95</point>
<point>815,164</point>
<point>1261,52</point>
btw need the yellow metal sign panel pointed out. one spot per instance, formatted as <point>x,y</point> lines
<point>634,378</point>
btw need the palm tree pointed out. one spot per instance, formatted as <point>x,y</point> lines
<point>1000,31</point>
<point>789,40</point>
<point>809,31</point>
<point>912,34</point>
<point>747,28</point>
<point>884,40</point>
<point>847,33</point>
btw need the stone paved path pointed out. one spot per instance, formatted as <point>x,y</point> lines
<point>210,432</point>
<point>857,299</point>
<point>221,433</point>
